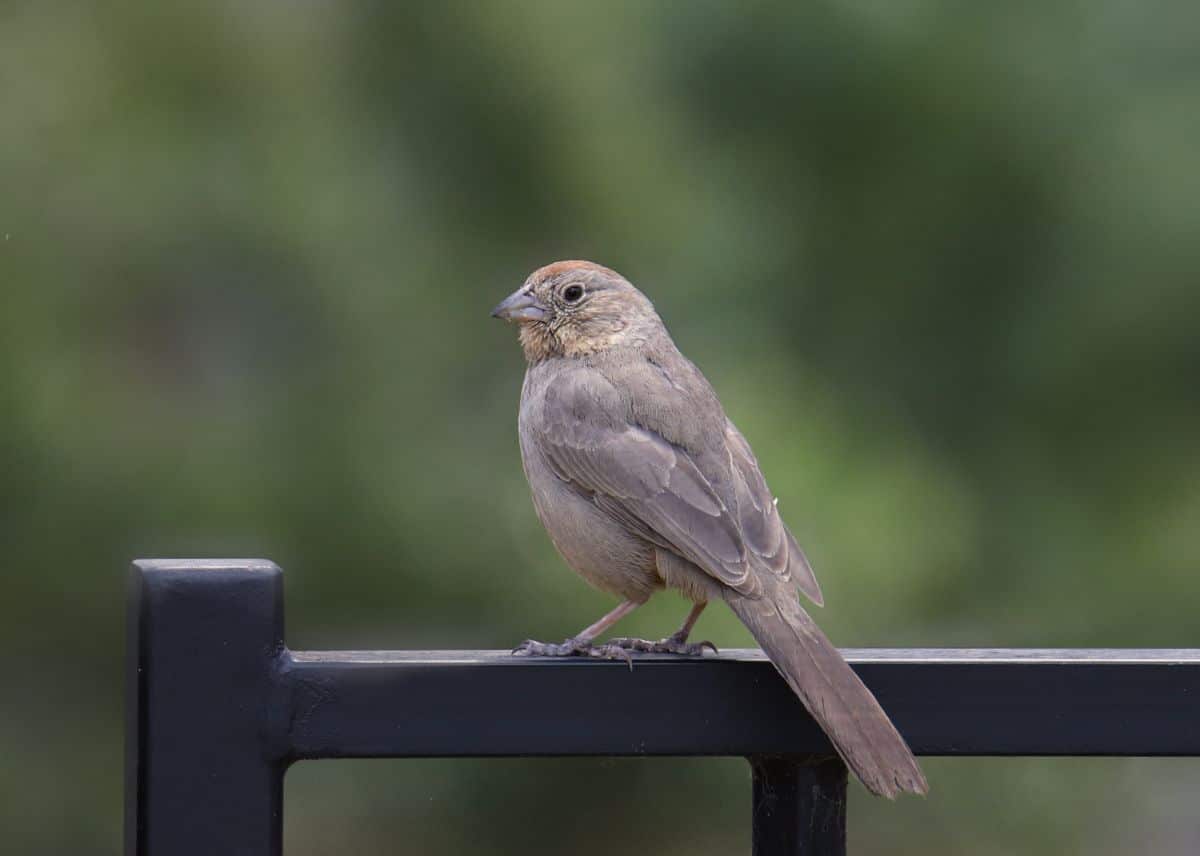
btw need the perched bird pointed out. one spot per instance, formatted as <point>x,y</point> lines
<point>642,482</point>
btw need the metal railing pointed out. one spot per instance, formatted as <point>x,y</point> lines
<point>218,707</point>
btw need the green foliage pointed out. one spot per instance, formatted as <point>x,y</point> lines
<point>940,261</point>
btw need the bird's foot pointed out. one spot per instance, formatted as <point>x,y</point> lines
<point>573,647</point>
<point>620,648</point>
<point>676,643</point>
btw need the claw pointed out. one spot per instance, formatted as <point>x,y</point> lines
<point>609,651</point>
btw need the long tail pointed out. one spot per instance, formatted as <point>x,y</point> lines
<point>841,704</point>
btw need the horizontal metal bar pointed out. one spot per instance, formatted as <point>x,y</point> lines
<point>1178,656</point>
<point>945,702</point>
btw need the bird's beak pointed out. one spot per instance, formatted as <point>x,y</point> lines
<point>520,306</point>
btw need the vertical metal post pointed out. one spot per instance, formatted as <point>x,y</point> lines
<point>799,806</point>
<point>201,779</point>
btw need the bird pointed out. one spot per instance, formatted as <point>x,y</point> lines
<point>643,483</point>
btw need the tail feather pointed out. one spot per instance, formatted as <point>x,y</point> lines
<point>831,691</point>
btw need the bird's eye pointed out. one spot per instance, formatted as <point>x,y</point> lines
<point>572,293</point>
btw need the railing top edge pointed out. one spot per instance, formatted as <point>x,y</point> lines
<point>183,566</point>
<point>862,656</point>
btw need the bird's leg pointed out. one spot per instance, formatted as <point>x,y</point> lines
<point>681,635</point>
<point>582,644</point>
<point>676,643</point>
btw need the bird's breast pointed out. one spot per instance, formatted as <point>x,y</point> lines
<point>595,545</point>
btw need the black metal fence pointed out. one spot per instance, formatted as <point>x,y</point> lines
<point>218,708</point>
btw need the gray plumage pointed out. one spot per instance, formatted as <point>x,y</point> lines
<point>642,482</point>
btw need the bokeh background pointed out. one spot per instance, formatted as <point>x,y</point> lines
<point>940,260</point>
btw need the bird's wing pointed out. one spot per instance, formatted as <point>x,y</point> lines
<point>723,520</point>
<point>762,527</point>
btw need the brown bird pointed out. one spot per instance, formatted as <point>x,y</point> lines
<point>642,482</point>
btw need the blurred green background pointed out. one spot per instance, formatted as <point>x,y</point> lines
<point>940,260</point>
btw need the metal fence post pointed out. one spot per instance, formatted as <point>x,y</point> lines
<point>203,638</point>
<point>799,806</point>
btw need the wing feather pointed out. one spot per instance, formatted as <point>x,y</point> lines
<point>762,527</point>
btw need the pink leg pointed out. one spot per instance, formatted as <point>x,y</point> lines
<point>676,643</point>
<point>685,631</point>
<point>581,645</point>
<point>611,618</point>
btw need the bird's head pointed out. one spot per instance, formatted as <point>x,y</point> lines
<point>576,308</point>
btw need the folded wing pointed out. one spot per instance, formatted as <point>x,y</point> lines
<point>713,509</point>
